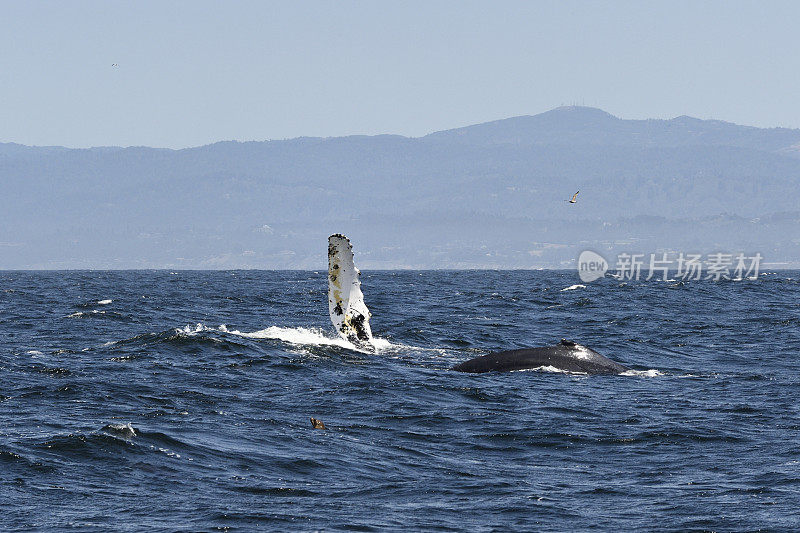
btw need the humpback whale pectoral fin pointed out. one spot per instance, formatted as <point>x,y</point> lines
<point>348,312</point>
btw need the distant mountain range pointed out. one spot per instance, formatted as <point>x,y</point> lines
<point>590,126</point>
<point>489,195</point>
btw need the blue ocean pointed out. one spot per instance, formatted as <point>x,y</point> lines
<point>180,401</point>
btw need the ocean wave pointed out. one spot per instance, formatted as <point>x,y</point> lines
<point>85,444</point>
<point>221,336</point>
<point>13,461</point>
<point>119,439</point>
<point>122,430</point>
<point>178,337</point>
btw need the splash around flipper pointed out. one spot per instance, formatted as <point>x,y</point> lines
<point>349,313</point>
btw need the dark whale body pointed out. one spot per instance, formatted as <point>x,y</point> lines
<point>566,355</point>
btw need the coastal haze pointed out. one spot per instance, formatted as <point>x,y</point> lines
<point>492,195</point>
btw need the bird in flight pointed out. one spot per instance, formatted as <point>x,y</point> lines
<point>115,65</point>
<point>574,198</point>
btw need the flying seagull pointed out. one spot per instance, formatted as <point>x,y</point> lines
<point>115,65</point>
<point>574,198</point>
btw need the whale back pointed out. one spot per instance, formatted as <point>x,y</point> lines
<point>349,313</point>
<point>567,356</point>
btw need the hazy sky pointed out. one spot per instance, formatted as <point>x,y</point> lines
<point>191,73</point>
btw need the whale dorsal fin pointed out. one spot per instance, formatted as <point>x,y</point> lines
<point>346,306</point>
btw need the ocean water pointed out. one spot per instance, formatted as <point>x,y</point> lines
<point>180,401</point>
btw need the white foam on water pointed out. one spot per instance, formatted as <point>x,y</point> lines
<point>652,373</point>
<point>192,330</point>
<point>381,344</point>
<point>303,336</point>
<point>33,352</point>
<point>573,287</point>
<point>104,302</point>
<point>300,336</point>
<point>80,314</point>
<point>313,336</point>
<point>125,430</point>
<point>634,373</point>
<point>167,451</point>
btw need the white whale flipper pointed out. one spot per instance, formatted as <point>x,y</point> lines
<point>348,311</point>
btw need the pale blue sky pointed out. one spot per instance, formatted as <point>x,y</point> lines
<point>191,73</point>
